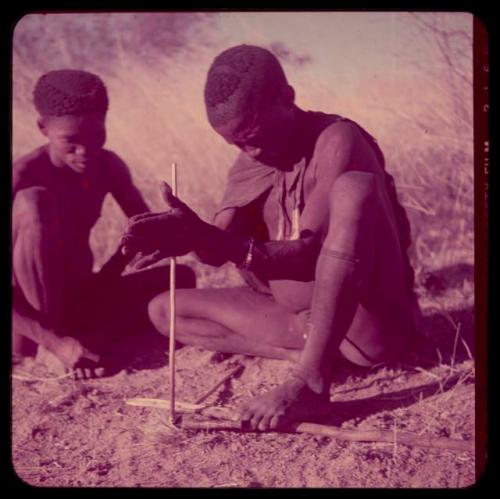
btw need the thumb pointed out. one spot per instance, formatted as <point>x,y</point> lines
<point>167,194</point>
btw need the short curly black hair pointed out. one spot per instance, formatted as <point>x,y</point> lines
<point>240,79</point>
<point>70,91</point>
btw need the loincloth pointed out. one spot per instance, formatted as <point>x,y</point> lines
<point>301,323</point>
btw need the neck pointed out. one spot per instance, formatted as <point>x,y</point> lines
<point>54,159</point>
<point>297,143</point>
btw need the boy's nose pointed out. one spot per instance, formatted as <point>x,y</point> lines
<point>80,150</point>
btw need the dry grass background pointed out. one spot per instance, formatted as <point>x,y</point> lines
<point>419,109</point>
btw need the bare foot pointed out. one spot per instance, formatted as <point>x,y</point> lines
<point>291,401</point>
<point>68,355</point>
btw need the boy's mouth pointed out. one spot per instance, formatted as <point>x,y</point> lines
<point>81,164</point>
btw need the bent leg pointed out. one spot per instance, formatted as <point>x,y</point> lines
<point>336,295</point>
<point>37,312</point>
<point>37,251</point>
<point>236,320</point>
<point>112,307</point>
<point>36,255</point>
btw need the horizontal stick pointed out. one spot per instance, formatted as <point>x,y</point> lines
<point>232,424</point>
<point>349,435</point>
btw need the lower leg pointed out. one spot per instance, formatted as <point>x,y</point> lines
<point>38,253</point>
<point>116,306</point>
<point>37,279</point>
<point>216,337</point>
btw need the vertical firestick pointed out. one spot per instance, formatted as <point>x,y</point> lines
<point>172,316</point>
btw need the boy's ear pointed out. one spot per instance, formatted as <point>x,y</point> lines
<point>42,125</point>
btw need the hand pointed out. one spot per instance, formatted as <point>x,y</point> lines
<point>154,236</point>
<point>71,352</point>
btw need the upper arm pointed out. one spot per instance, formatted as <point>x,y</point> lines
<point>332,157</point>
<point>22,176</point>
<point>123,189</point>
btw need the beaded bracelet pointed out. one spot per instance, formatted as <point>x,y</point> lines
<point>249,257</point>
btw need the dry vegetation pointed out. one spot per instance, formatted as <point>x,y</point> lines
<point>82,433</point>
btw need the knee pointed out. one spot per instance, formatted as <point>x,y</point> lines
<point>158,313</point>
<point>35,204</point>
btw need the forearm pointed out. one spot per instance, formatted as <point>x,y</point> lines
<point>270,260</point>
<point>115,264</point>
<point>333,306</point>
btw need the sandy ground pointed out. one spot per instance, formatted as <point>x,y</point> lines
<point>83,433</point>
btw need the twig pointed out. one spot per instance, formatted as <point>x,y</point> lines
<point>229,375</point>
<point>455,343</point>
<point>225,412</point>
<point>467,349</point>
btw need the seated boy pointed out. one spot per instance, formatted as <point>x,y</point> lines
<point>57,192</point>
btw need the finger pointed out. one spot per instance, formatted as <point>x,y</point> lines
<point>166,191</point>
<point>141,216</point>
<point>147,260</point>
<point>135,227</point>
<point>131,245</point>
<point>168,195</point>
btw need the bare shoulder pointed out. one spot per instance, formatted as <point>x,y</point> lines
<point>112,160</point>
<point>26,168</point>
<point>341,133</point>
<point>115,166</point>
<point>30,160</point>
<point>334,152</point>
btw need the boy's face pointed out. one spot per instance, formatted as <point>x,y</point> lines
<point>74,140</point>
<point>263,135</point>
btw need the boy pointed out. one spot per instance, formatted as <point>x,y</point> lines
<point>58,191</point>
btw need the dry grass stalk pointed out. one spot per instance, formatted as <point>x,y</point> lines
<point>28,377</point>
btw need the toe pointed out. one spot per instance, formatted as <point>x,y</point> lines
<point>255,421</point>
<point>264,422</point>
<point>276,420</point>
<point>245,411</point>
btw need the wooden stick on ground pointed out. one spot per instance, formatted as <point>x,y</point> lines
<point>229,375</point>
<point>350,435</point>
<point>228,421</point>
<point>171,350</point>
